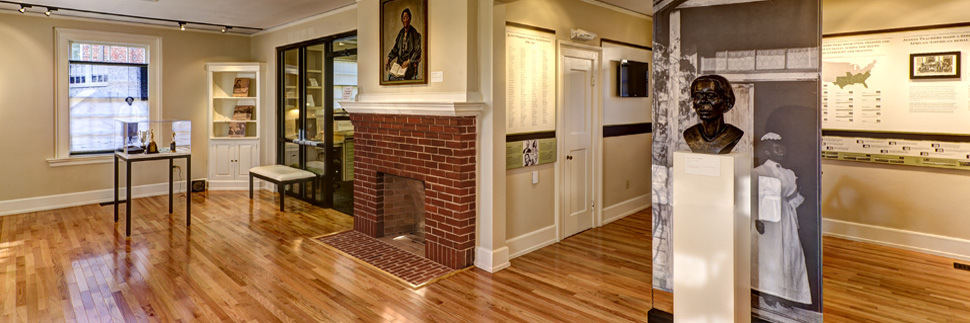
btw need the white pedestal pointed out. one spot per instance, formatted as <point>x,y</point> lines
<point>712,233</point>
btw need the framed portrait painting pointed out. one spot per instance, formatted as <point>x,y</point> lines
<point>934,65</point>
<point>404,42</point>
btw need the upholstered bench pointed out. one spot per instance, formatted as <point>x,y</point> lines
<point>281,176</point>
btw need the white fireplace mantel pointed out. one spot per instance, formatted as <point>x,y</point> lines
<point>451,109</point>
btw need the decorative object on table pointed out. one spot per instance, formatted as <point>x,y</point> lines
<point>934,65</point>
<point>152,146</point>
<point>237,129</point>
<point>143,138</point>
<point>172,145</point>
<point>243,113</point>
<point>711,97</point>
<point>241,87</point>
<point>404,40</point>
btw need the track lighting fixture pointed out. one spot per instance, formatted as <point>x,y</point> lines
<point>23,7</point>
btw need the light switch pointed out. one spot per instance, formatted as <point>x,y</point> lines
<point>535,177</point>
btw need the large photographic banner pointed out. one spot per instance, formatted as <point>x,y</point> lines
<point>770,52</point>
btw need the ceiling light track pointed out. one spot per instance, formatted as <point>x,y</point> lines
<point>182,25</point>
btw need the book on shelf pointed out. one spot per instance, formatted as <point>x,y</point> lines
<point>243,113</point>
<point>237,129</point>
<point>313,82</point>
<point>241,87</point>
<point>309,101</point>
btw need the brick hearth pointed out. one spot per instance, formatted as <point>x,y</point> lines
<point>438,150</point>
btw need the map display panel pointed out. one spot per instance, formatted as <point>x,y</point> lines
<point>867,84</point>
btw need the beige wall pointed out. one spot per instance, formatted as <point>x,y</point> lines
<point>264,50</point>
<point>626,168</point>
<point>27,102</point>
<point>564,15</point>
<point>531,207</point>
<point>922,200</point>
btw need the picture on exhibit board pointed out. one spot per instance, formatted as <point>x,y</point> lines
<point>934,65</point>
<point>237,129</point>
<point>777,114</point>
<point>243,112</point>
<point>404,42</point>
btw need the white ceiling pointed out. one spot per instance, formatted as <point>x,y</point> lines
<point>247,13</point>
<point>261,14</point>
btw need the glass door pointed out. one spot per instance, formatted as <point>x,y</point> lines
<point>313,78</point>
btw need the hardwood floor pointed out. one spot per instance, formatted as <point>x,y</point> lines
<point>248,262</point>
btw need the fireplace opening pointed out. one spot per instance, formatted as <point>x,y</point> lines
<point>404,213</point>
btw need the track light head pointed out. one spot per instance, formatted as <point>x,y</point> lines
<point>225,29</point>
<point>49,11</point>
<point>181,26</point>
<point>23,8</point>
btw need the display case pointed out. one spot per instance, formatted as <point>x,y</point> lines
<point>135,137</point>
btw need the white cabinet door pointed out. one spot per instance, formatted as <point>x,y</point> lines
<point>247,158</point>
<point>222,156</point>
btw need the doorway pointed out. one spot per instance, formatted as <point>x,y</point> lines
<point>579,70</point>
<point>314,132</point>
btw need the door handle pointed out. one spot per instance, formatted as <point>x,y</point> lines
<point>569,157</point>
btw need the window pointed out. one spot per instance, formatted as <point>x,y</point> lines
<point>101,77</point>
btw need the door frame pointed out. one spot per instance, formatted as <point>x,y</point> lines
<point>594,53</point>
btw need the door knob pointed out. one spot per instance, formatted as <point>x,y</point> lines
<point>569,157</point>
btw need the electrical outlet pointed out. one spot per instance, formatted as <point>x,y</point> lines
<point>960,266</point>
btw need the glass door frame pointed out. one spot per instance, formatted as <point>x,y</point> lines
<point>329,152</point>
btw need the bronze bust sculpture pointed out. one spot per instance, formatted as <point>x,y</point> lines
<point>712,96</point>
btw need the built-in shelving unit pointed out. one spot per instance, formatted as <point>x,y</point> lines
<point>233,125</point>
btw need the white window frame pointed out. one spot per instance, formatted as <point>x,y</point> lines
<point>62,99</point>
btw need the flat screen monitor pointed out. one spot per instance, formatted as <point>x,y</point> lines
<point>632,79</point>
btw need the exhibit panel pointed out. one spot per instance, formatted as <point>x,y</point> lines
<point>775,78</point>
<point>897,97</point>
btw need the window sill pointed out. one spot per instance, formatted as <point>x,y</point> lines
<point>85,160</point>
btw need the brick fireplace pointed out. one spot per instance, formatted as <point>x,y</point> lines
<point>436,150</point>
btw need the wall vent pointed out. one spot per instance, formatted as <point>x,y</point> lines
<point>960,266</point>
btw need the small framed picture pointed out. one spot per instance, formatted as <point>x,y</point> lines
<point>934,65</point>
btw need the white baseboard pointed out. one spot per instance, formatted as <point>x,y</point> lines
<point>531,241</point>
<point>51,202</point>
<point>233,185</point>
<point>903,239</point>
<point>492,260</point>
<point>619,210</point>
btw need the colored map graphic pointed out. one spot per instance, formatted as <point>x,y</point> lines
<point>845,74</point>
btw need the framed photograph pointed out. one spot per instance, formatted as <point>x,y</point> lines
<point>934,65</point>
<point>404,42</point>
<point>243,112</point>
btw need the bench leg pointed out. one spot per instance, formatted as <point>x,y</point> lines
<point>250,186</point>
<point>282,188</point>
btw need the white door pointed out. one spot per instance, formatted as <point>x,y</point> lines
<point>223,154</point>
<point>578,95</point>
